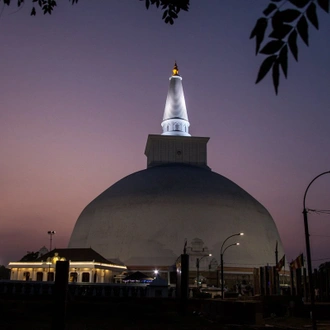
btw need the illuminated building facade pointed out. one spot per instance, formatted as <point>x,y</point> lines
<point>85,266</point>
<point>145,218</point>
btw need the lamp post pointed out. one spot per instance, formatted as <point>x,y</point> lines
<point>221,257</point>
<point>51,233</point>
<point>197,266</point>
<point>308,252</point>
<point>222,287</point>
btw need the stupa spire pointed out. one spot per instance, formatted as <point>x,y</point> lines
<point>175,71</point>
<point>175,120</point>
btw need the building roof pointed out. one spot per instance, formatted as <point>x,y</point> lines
<point>77,254</point>
<point>137,277</point>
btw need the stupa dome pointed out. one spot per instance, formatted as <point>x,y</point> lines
<point>145,218</point>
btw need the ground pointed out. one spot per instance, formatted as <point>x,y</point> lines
<point>127,314</point>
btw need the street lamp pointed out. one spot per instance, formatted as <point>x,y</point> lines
<point>51,233</point>
<point>308,252</point>
<point>197,265</point>
<point>221,257</point>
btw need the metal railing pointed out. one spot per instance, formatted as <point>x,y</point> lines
<point>34,288</point>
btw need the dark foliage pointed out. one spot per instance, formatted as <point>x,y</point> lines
<point>4,273</point>
<point>30,256</point>
<point>325,266</point>
<point>170,8</point>
<point>47,6</point>
<point>287,21</point>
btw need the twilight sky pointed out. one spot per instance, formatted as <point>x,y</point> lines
<point>81,90</point>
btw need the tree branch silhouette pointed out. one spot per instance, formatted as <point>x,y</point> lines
<point>284,21</point>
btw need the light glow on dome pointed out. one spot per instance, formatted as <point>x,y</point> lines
<point>143,218</point>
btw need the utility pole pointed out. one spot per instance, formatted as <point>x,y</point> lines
<point>309,258</point>
<point>222,251</point>
<point>51,233</point>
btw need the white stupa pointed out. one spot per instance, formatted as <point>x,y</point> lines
<point>145,218</point>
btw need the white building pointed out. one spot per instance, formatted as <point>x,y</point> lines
<point>85,265</point>
<point>145,218</point>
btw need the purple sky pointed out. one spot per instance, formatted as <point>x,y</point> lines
<point>81,90</point>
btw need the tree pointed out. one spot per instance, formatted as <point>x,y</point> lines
<point>324,266</point>
<point>288,20</point>
<point>284,20</point>
<point>47,6</point>
<point>30,256</point>
<point>4,273</point>
<point>170,8</point>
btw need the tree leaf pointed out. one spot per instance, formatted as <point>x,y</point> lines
<point>261,25</point>
<point>259,32</point>
<point>173,14</point>
<point>289,15</point>
<point>277,20</point>
<point>157,3</point>
<point>169,19</point>
<point>324,4</point>
<point>312,16</point>
<point>271,7</point>
<point>299,3</point>
<point>281,31</point>
<point>165,14</point>
<point>259,40</point>
<point>292,40</point>
<point>147,4</point>
<point>33,11</point>
<point>272,47</point>
<point>283,60</point>
<point>276,76</point>
<point>302,28</point>
<point>265,67</point>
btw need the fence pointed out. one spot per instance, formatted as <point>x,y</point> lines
<point>33,288</point>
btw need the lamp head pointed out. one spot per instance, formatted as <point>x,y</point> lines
<point>210,255</point>
<point>237,243</point>
<point>241,234</point>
